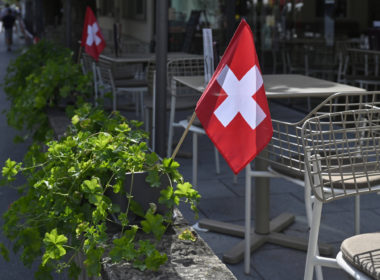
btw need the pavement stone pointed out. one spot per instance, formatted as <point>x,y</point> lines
<point>14,269</point>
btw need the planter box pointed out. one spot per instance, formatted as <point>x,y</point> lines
<point>142,192</point>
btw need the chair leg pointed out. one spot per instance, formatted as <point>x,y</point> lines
<point>357,214</point>
<point>114,100</point>
<point>217,163</point>
<point>309,199</point>
<point>312,249</point>
<point>137,101</point>
<point>142,105</point>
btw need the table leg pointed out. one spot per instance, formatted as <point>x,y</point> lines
<point>266,230</point>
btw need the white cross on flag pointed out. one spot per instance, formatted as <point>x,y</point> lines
<point>92,39</point>
<point>234,109</point>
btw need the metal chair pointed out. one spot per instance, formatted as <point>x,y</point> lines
<point>196,129</point>
<point>129,84</point>
<point>362,68</point>
<point>285,155</point>
<point>182,98</point>
<point>342,152</point>
<point>89,66</point>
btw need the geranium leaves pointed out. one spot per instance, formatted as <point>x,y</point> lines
<point>68,194</point>
<point>143,255</point>
<point>10,169</point>
<point>54,246</point>
<point>153,223</point>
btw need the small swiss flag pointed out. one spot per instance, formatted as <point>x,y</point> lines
<point>92,39</point>
<point>234,109</point>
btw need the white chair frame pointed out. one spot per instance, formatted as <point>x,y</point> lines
<point>285,145</point>
<point>328,140</point>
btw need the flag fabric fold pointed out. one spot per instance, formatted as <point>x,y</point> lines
<point>92,38</point>
<point>233,109</point>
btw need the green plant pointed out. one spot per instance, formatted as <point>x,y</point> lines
<point>38,79</point>
<point>64,210</point>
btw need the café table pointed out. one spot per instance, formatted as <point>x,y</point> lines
<point>266,230</point>
<point>145,57</point>
<point>117,63</point>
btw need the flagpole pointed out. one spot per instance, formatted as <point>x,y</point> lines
<point>183,136</point>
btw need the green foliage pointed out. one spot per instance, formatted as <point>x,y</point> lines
<point>65,210</point>
<point>38,79</point>
<point>187,235</point>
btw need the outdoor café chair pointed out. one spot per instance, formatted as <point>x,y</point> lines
<point>184,98</point>
<point>342,159</point>
<point>127,85</point>
<point>362,68</point>
<point>181,97</point>
<point>285,156</point>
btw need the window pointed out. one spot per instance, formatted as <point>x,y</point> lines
<point>134,9</point>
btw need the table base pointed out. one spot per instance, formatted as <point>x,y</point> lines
<point>278,224</point>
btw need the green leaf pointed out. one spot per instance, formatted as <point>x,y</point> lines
<point>4,252</point>
<point>153,179</point>
<point>170,163</point>
<point>151,159</point>
<point>187,235</point>
<point>91,186</point>
<point>10,169</point>
<point>123,219</point>
<point>117,187</point>
<point>155,260</point>
<point>186,190</point>
<point>75,120</point>
<point>168,198</point>
<point>54,249</point>
<point>124,247</point>
<point>153,223</point>
<point>136,208</point>
<point>93,261</point>
<point>95,199</point>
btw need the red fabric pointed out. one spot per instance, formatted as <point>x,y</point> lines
<point>93,42</point>
<point>237,142</point>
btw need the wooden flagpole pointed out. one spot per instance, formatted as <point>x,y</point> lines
<point>183,136</point>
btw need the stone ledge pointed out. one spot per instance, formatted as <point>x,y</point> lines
<point>187,260</point>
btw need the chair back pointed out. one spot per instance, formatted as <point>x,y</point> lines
<point>105,78</point>
<point>285,152</point>
<point>342,153</point>
<point>87,63</point>
<point>184,67</point>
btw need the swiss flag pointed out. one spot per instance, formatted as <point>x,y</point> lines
<point>92,39</point>
<point>234,109</point>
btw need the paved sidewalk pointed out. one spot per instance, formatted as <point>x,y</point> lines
<point>13,270</point>
<point>224,201</point>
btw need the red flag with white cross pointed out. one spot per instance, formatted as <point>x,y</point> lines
<point>92,39</point>
<point>234,109</point>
